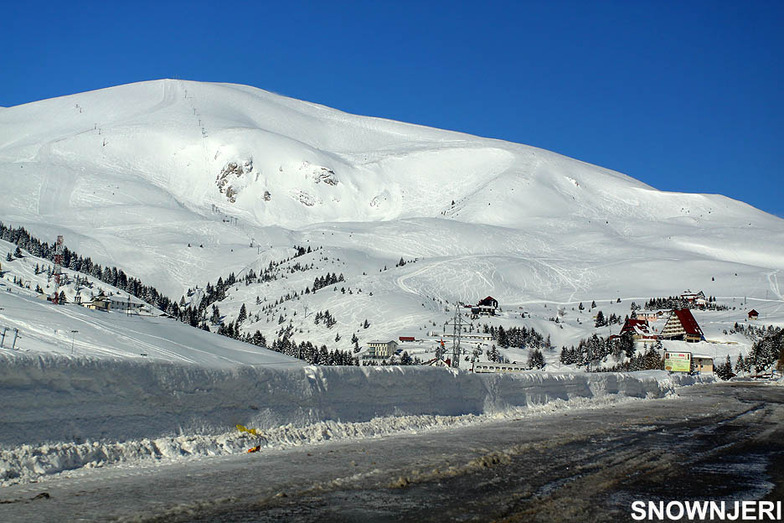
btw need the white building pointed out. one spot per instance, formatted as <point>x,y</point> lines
<point>118,303</point>
<point>383,349</point>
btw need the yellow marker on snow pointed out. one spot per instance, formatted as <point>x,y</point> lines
<point>243,428</point>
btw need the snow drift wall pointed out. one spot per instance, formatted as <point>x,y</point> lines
<point>59,414</point>
<point>50,399</point>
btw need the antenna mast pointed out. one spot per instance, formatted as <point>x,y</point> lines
<point>58,269</point>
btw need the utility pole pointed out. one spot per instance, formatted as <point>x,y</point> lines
<point>457,330</point>
<point>73,335</point>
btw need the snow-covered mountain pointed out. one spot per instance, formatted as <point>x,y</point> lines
<point>180,183</point>
<point>385,225</point>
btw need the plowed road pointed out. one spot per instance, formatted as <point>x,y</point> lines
<point>722,441</point>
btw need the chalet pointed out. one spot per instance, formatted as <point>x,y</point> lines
<point>753,314</point>
<point>97,304</point>
<point>438,362</point>
<point>696,298</point>
<point>639,329</point>
<point>681,325</point>
<point>107,303</point>
<point>383,349</point>
<point>488,302</point>
<point>485,307</point>
<point>126,304</point>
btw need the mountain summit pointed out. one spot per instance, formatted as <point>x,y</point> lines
<point>179,182</point>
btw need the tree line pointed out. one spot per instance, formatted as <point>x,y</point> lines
<point>518,337</point>
<point>71,260</point>
<point>196,316</point>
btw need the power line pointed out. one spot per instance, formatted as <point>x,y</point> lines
<point>457,331</point>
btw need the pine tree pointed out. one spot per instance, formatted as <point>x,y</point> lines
<point>536,359</point>
<point>652,361</point>
<point>724,370</point>
<point>243,315</point>
<point>503,339</point>
<point>766,351</point>
<point>258,339</point>
<point>627,345</point>
<point>493,354</point>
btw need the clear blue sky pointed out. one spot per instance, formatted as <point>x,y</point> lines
<point>683,95</point>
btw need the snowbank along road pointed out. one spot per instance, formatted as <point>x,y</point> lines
<point>719,441</point>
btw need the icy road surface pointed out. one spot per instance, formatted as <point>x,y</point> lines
<point>722,441</point>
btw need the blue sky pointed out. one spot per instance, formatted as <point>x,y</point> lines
<point>685,96</point>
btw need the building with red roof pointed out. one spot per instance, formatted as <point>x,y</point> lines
<point>697,298</point>
<point>486,307</point>
<point>681,325</point>
<point>639,329</point>
<point>488,302</point>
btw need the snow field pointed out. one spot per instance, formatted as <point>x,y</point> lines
<point>129,173</point>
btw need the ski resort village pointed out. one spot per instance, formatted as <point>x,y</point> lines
<point>612,335</point>
<point>201,282</point>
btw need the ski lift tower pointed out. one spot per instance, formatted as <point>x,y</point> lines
<point>457,330</point>
<point>58,269</point>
